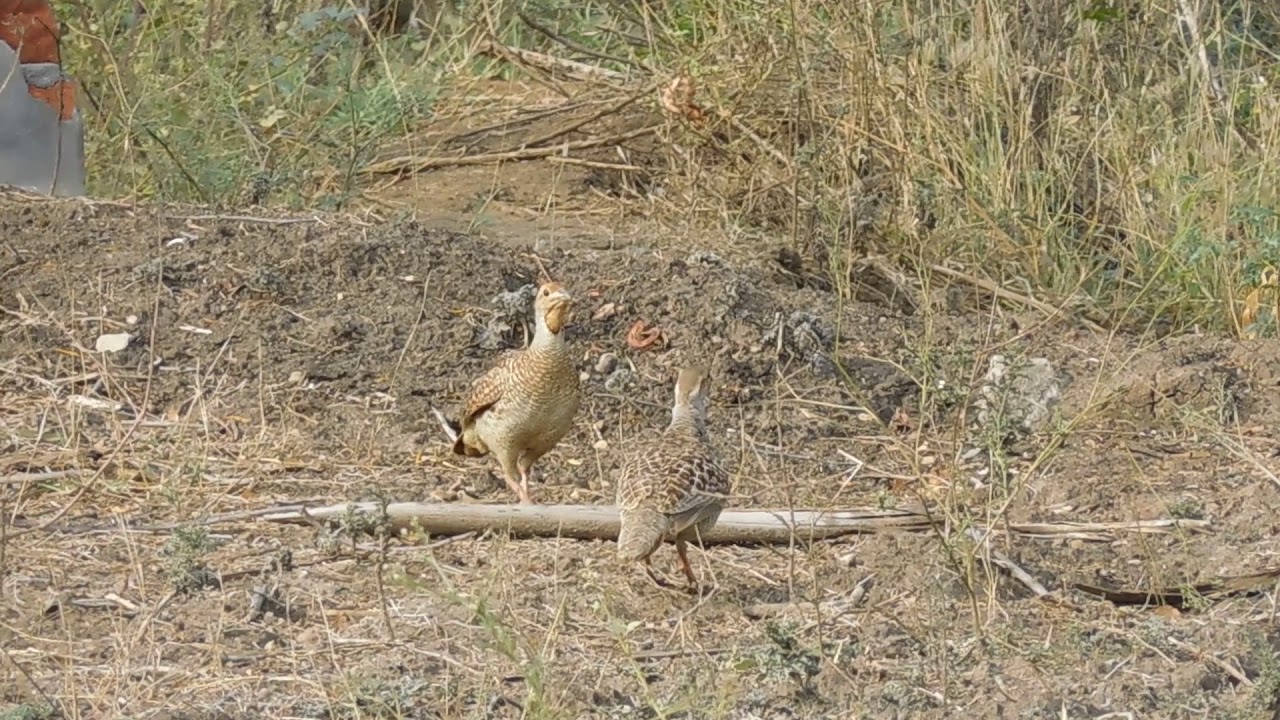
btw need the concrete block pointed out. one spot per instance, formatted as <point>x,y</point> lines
<point>41,130</point>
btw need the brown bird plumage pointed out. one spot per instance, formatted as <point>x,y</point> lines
<point>526,402</point>
<point>672,487</point>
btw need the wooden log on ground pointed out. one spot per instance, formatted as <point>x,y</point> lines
<point>600,522</point>
<point>736,527</point>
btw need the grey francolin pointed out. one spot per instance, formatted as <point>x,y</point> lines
<point>522,406</point>
<point>672,486</point>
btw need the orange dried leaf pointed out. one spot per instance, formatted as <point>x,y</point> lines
<point>640,336</point>
<point>677,99</point>
<point>1268,287</point>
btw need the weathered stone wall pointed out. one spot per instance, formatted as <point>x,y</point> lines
<point>41,131</point>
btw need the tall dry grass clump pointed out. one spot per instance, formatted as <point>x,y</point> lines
<point>1114,161</point>
<point>1077,152</point>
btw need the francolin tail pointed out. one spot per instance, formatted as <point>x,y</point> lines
<point>672,487</point>
<point>526,402</point>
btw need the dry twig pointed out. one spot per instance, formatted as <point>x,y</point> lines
<point>539,60</point>
<point>575,46</point>
<point>759,611</point>
<point>1226,667</point>
<point>413,164</point>
<point>1000,560</point>
<point>1006,294</point>
<point>41,477</point>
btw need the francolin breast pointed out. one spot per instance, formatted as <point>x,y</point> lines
<point>522,406</point>
<point>672,487</point>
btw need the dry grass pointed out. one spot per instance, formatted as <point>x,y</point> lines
<point>186,617</point>
<point>125,603</point>
<point>1105,160</point>
<point>1081,166</point>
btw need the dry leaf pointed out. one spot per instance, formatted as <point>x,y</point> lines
<point>640,336</point>
<point>1268,286</point>
<point>677,99</point>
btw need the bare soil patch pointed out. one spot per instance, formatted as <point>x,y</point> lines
<point>278,361</point>
<point>561,199</point>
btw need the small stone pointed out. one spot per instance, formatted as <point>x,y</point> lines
<point>607,362</point>
<point>131,320</point>
<point>866,417</point>
<point>584,376</point>
<point>112,342</point>
<point>296,376</point>
<point>601,444</point>
<point>1023,391</point>
<point>928,461</point>
<point>618,379</point>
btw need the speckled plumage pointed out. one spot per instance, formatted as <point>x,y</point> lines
<point>522,406</point>
<point>672,487</point>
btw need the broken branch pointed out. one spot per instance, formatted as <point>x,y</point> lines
<point>549,62</point>
<point>412,164</point>
<point>999,559</point>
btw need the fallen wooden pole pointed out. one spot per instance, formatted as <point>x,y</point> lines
<point>736,527</point>
<point>600,522</point>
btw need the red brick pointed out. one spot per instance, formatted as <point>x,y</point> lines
<point>60,97</point>
<point>30,28</point>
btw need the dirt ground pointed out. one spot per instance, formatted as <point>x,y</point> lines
<point>288,360</point>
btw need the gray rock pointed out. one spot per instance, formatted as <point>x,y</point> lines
<point>515,304</point>
<point>618,379</point>
<point>607,362</point>
<point>1020,396</point>
<point>512,310</point>
<point>805,337</point>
